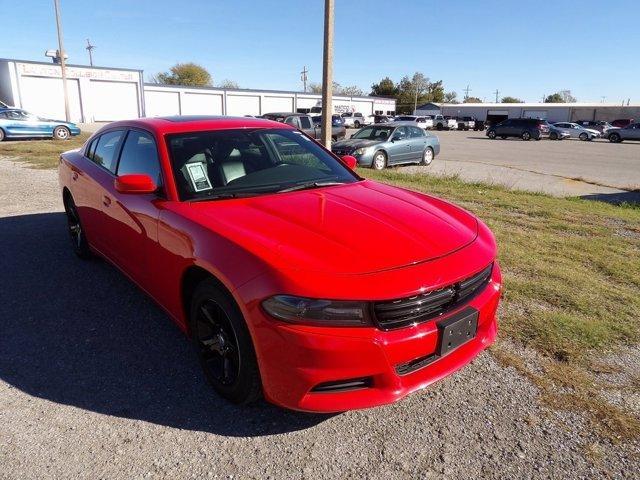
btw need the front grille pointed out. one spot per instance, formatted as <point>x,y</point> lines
<point>341,151</point>
<point>426,306</point>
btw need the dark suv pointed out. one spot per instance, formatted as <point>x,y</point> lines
<point>525,128</point>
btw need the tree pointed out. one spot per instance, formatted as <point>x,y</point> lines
<point>563,96</point>
<point>351,91</point>
<point>511,100</point>
<point>190,74</point>
<point>315,87</point>
<point>451,97</point>
<point>472,100</point>
<point>229,84</point>
<point>384,88</point>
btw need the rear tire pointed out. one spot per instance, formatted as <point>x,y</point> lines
<point>503,137</point>
<point>615,138</point>
<point>356,124</point>
<point>223,344</point>
<point>379,160</point>
<point>76,231</point>
<point>427,156</point>
<point>439,127</point>
<point>1,135</point>
<point>61,133</point>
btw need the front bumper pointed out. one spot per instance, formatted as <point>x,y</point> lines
<point>294,359</point>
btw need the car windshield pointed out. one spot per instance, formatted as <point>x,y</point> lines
<point>232,163</point>
<point>374,133</point>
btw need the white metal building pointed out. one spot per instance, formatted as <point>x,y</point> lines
<point>95,94</point>
<point>98,94</point>
<point>553,112</point>
<point>174,100</point>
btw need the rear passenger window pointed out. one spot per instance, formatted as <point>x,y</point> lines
<point>139,155</point>
<point>305,122</point>
<point>106,151</point>
<point>415,132</point>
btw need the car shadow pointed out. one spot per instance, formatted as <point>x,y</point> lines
<point>631,197</point>
<point>79,333</point>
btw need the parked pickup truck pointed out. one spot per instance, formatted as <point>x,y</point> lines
<point>440,122</point>
<point>356,119</point>
<point>426,123</point>
<point>466,123</point>
<point>307,124</point>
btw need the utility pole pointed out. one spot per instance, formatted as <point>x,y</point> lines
<point>497,93</point>
<point>602,98</point>
<point>303,77</point>
<point>466,92</point>
<point>327,74</point>
<point>90,48</point>
<point>63,67</point>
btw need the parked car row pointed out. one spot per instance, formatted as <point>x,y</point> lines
<point>532,128</point>
<point>308,124</point>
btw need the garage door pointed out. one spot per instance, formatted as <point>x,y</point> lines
<point>45,97</point>
<point>114,100</point>
<point>277,104</point>
<point>161,104</point>
<point>541,114</point>
<point>201,104</point>
<point>243,105</point>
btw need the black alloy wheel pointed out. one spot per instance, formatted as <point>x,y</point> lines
<point>223,345</point>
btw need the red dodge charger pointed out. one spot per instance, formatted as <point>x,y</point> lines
<point>295,278</point>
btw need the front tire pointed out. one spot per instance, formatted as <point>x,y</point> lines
<point>356,124</point>
<point>615,138</point>
<point>379,161</point>
<point>223,345</point>
<point>526,136</point>
<point>1,135</point>
<point>76,231</point>
<point>584,137</point>
<point>553,136</point>
<point>439,127</point>
<point>491,134</point>
<point>427,156</point>
<point>61,133</point>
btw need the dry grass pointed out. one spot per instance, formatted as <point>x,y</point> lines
<point>41,153</point>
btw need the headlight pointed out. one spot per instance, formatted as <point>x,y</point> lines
<point>329,313</point>
<point>361,151</point>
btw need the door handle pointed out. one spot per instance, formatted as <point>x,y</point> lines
<point>106,201</point>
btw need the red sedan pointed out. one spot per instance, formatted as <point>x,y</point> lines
<point>295,278</point>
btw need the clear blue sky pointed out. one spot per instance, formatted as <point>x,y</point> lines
<point>523,49</point>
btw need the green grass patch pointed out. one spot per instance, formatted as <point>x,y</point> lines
<point>41,153</point>
<point>571,267</point>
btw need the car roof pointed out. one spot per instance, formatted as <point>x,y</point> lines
<point>192,123</point>
<point>285,114</point>
<point>399,123</point>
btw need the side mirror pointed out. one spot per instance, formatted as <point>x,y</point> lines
<point>351,162</point>
<point>135,183</point>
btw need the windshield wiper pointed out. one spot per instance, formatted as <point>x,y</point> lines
<point>224,196</point>
<point>309,185</point>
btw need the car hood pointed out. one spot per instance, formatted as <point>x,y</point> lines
<point>591,130</point>
<point>354,143</point>
<point>357,228</point>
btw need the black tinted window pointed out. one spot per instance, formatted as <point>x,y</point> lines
<point>139,155</point>
<point>106,152</point>
<point>305,122</point>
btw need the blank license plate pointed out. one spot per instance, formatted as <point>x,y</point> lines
<point>457,330</point>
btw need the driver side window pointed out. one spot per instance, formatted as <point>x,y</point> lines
<point>139,155</point>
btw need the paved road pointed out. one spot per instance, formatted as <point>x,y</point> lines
<point>563,168</point>
<point>96,382</point>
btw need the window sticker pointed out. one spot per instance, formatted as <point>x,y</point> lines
<point>198,176</point>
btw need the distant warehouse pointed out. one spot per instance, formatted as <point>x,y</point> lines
<point>553,112</point>
<point>104,94</point>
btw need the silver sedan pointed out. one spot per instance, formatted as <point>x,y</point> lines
<point>577,131</point>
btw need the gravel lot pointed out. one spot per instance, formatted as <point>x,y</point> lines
<point>96,382</point>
